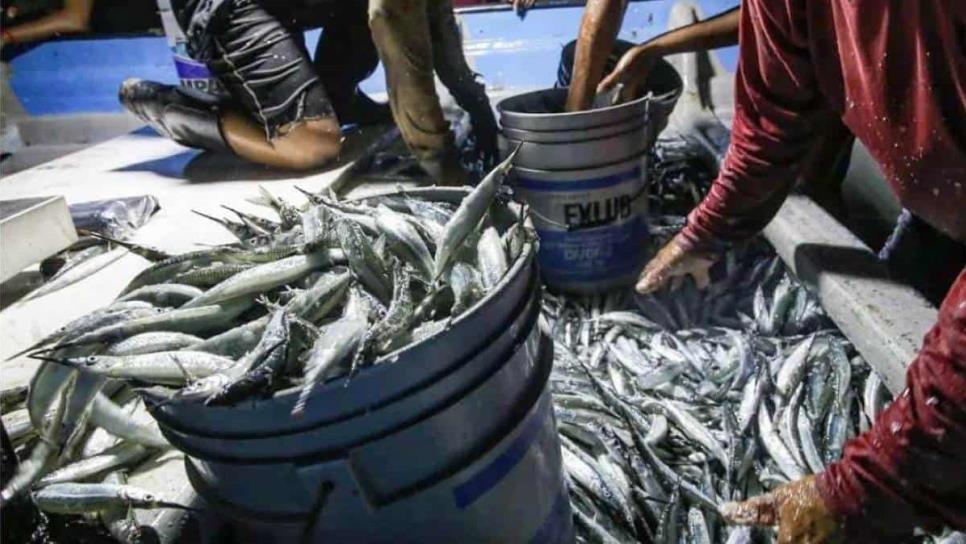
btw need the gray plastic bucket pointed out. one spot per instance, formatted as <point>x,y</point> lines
<point>452,438</point>
<point>584,175</point>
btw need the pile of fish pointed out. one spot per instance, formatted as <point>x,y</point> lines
<point>669,405</point>
<point>681,173</point>
<point>319,294</point>
<point>672,404</point>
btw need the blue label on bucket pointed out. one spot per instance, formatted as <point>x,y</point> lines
<point>591,229</point>
<point>592,255</point>
<point>196,75</point>
<point>480,483</point>
<point>603,182</point>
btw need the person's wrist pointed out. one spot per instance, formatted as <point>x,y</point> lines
<point>6,37</point>
<point>651,48</point>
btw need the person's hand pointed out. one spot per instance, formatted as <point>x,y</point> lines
<point>673,261</point>
<point>631,71</point>
<point>796,508</point>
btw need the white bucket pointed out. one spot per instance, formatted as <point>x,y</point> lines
<point>584,175</point>
<point>193,74</point>
<point>590,222</point>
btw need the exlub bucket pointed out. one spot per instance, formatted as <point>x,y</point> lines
<point>584,175</point>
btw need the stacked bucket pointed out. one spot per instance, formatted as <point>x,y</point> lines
<point>584,175</point>
<point>451,439</point>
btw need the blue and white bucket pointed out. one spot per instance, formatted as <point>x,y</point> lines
<point>590,223</point>
<point>584,176</point>
<point>192,73</point>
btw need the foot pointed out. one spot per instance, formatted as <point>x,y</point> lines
<point>148,100</point>
<point>184,115</point>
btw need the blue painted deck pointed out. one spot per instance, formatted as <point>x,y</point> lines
<point>82,75</point>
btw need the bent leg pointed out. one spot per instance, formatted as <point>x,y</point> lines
<point>303,146</point>
<point>284,118</point>
<point>403,40</point>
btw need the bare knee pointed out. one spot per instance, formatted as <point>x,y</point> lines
<point>309,145</point>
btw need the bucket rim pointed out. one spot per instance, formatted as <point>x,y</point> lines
<point>640,125</point>
<point>662,66</point>
<point>636,158</point>
<point>575,115</point>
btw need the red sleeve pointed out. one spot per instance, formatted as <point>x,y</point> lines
<point>909,469</point>
<point>776,105</point>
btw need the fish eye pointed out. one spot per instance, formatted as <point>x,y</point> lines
<point>91,359</point>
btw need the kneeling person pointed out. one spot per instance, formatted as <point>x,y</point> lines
<point>282,110</point>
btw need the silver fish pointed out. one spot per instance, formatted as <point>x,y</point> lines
<point>405,241</point>
<point>122,455</point>
<point>491,257</point>
<point>469,214</point>
<point>74,498</point>
<point>165,367</point>
<point>266,276</point>
<point>83,270</point>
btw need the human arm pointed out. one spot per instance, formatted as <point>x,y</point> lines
<point>634,67</point>
<point>906,471</point>
<point>595,40</point>
<point>778,110</point>
<point>73,18</point>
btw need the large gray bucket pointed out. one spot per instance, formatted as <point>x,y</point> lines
<point>451,439</point>
<point>584,176</point>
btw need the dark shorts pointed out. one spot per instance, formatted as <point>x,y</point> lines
<point>256,48</point>
<point>265,68</point>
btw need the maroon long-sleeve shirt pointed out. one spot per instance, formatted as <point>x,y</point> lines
<point>894,71</point>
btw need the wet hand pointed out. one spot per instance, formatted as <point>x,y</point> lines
<point>631,71</point>
<point>673,261</point>
<point>796,508</point>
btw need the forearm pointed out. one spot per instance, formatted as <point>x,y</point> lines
<point>907,470</point>
<point>72,19</point>
<point>756,176</point>
<point>719,31</point>
<point>778,113</point>
<point>598,32</point>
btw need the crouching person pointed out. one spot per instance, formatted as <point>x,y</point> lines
<point>282,110</point>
